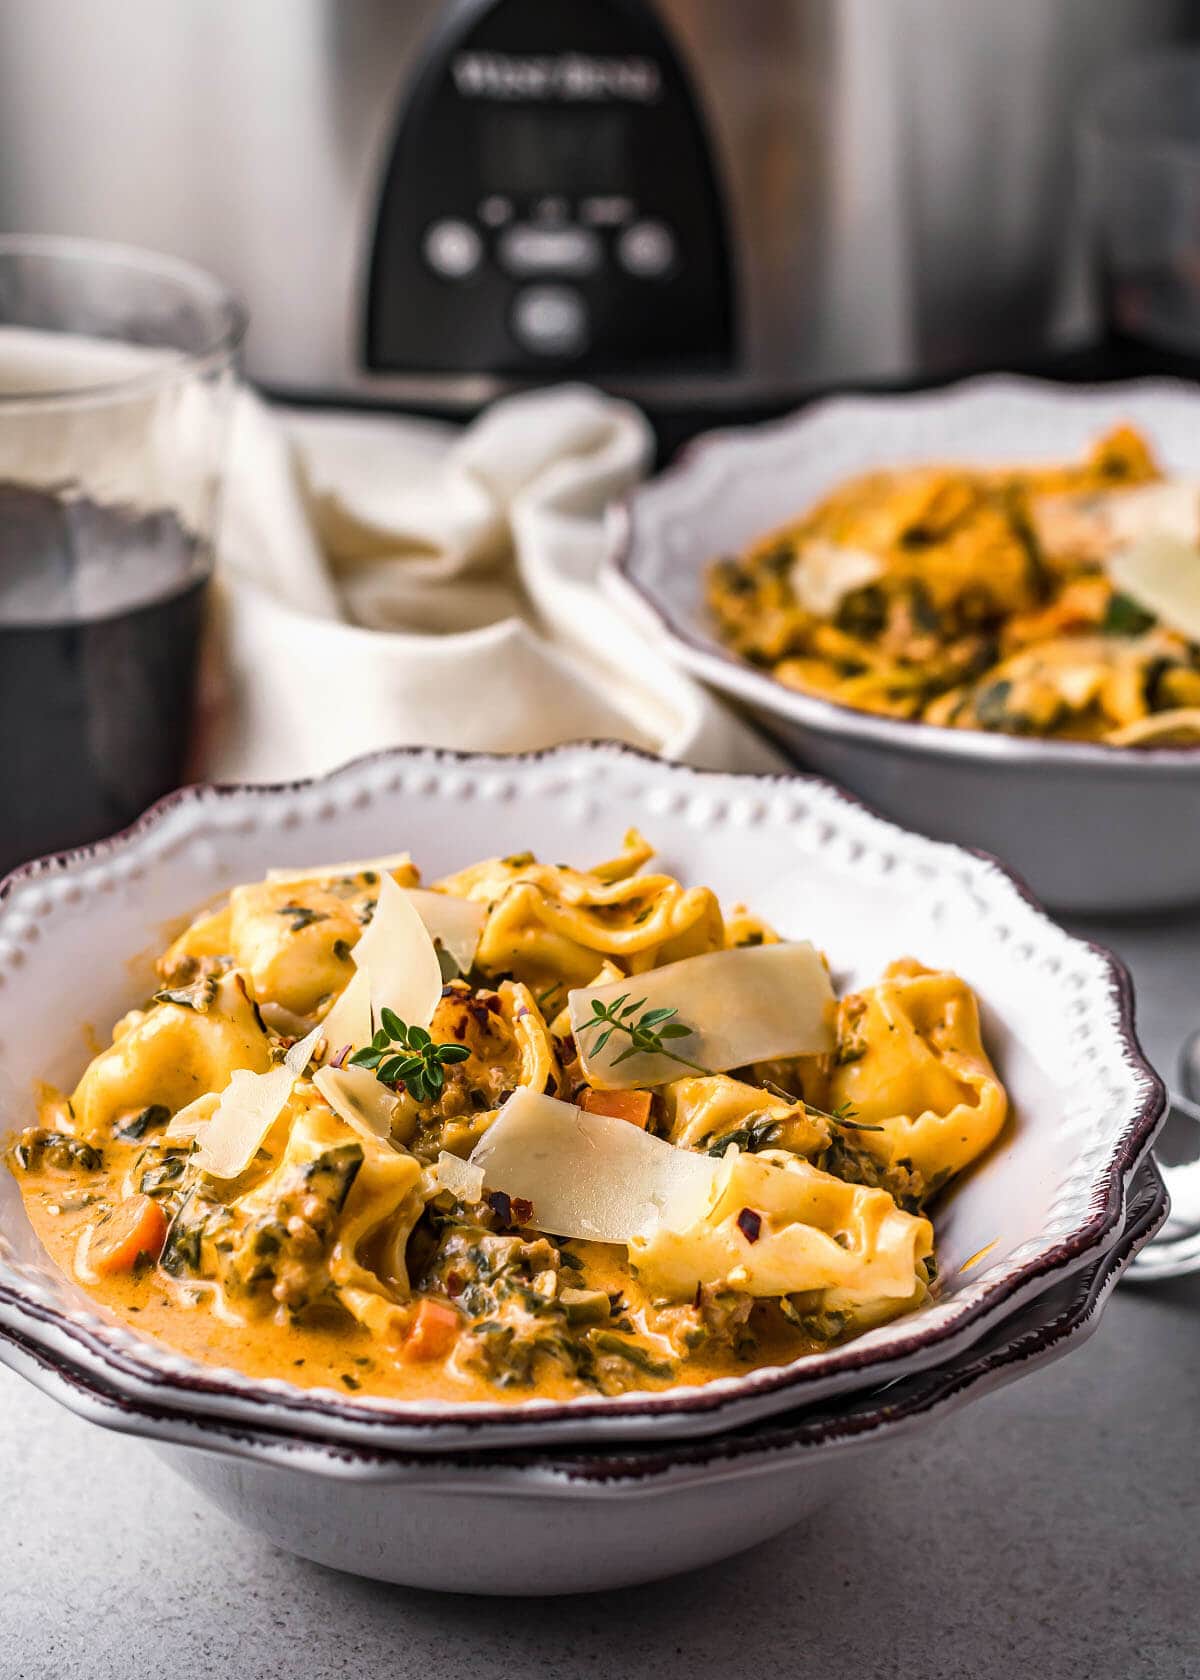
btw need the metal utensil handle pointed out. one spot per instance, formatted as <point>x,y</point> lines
<point>1175,1251</point>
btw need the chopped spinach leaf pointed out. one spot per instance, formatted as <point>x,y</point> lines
<point>148,1120</point>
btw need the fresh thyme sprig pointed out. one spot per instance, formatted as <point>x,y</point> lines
<point>842,1115</point>
<point>404,1055</point>
<point>645,1034</point>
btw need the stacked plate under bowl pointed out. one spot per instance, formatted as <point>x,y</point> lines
<point>597,1492</point>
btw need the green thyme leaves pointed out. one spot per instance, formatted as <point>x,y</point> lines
<point>647,1033</point>
<point>404,1055</point>
<point>842,1115</point>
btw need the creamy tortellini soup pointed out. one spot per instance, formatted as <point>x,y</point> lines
<point>527,1130</point>
<point>1059,601</point>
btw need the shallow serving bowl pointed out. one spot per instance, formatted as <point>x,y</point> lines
<point>1047,1201</point>
<point>581,1521</point>
<point>1090,827</point>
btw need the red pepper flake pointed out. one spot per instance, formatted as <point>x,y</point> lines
<point>340,1059</point>
<point>750,1224</point>
<point>455,1284</point>
<point>522,1211</point>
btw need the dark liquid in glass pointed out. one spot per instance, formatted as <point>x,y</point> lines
<point>101,609</point>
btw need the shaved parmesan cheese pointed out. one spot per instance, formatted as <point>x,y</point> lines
<point>453,923</point>
<point>398,969</point>
<point>1161,572</point>
<point>349,1021</point>
<point>1089,524</point>
<point>250,1105</point>
<point>342,871</point>
<point>463,1179</point>
<point>1168,508</point>
<point>398,954</point>
<point>191,1121</point>
<point>683,1215</point>
<point>745,1005</point>
<point>824,573</point>
<point>357,1097</point>
<point>303,1051</point>
<point>588,1175</point>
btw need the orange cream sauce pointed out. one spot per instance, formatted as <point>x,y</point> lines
<point>337,1355</point>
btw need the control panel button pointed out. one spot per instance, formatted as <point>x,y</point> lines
<point>495,210</point>
<point>606,210</point>
<point>552,208</point>
<point>550,320</point>
<point>647,250</point>
<point>452,249</point>
<point>526,249</point>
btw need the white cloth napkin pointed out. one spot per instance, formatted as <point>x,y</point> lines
<point>388,581</point>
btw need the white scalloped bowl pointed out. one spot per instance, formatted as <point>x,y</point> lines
<point>583,1521</point>
<point>1090,827</point>
<point>1047,1201</point>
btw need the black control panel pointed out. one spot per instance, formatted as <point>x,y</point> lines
<point>550,204</point>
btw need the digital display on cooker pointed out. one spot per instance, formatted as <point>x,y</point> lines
<point>552,151</point>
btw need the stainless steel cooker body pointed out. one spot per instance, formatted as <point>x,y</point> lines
<point>682,199</point>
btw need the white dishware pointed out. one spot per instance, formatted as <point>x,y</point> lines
<point>546,1522</point>
<point>1089,826</point>
<point>1048,1198</point>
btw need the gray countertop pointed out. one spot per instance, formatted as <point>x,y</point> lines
<point>1050,1530</point>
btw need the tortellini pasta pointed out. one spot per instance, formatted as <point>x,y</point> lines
<point>912,1066</point>
<point>344,1231</point>
<point>975,598</point>
<point>184,1045</point>
<point>791,1232</point>
<point>548,924</point>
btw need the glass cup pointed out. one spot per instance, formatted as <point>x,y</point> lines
<point>1139,146</point>
<point>117,371</point>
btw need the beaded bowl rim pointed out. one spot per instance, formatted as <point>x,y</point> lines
<point>89,1340</point>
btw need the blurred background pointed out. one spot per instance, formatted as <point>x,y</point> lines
<point>632,219</point>
<point>713,209</point>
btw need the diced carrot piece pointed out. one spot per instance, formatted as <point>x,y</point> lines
<point>432,1333</point>
<point>137,1226</point>
<point>633,1106</point>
